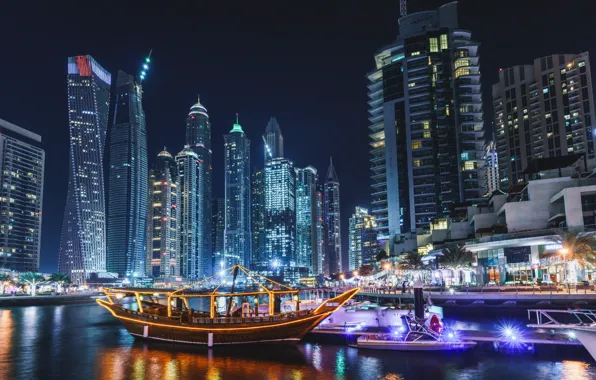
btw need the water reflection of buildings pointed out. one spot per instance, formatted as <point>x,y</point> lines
<point>7,323</point>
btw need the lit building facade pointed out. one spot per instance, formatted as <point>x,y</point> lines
<point>195,261</point>
<point>280,213</point>
<point>362,239</point>
<point>306,238</point>
<point>237,239</point>
<point>259,259</point>
<point>198,138</point>
<point>22,163</point>
<point>128,187</point>
<point>320,231</point>
<point>83,241</point>
<point>333,255</point>
<point>163,233</point>
<point>543,110</point>
<point>426,125</point>
<point>491,165</point>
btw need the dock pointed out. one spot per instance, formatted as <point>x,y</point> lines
<point>527,336</point>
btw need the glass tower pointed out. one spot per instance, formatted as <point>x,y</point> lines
<point>274,140</point>
<point>128,187</point>
<point>320,231</point>
<point>198,138</point>
<point>21,173</point>
<point>163,240</point>
<point>280,213</point>
<point>362,239</point>
<point>259,260</point>
<point>306,238</point>
<point>83,241</point>
<point>426,127</point>
<point>334,260</point>
<point>238,239</point>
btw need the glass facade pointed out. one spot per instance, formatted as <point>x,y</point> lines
<point>333,255</point>
<point>83,240</point>
<point>274,141</point>
<point>237,239</point>
<point>198,138</point>
<point>21,174</point>
<point>218,218</point>
<point>259,259</point>
<point>280,213</point>
<point>128,187</point>
<point>306,238</point>
<point>362,239</point>
<point>164,213</point>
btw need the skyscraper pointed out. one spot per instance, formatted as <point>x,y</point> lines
<point>259,260</point>
<point>83,241</point>
<point>218,225</point>
<point>163,217</point>
<point>21,174</point>
<point>543,110</point>
<point>320,231</point>
<point>274,141</point>
<point>362,239</point>
<point>280,213</point>
<point>426,126</point>
<point>334,262</point>
<point>128,187</point>
<point>198,138</point>
<point>306,239</point>
<point>238,239</point>
<point>491,166</point>
<point>195,261</point>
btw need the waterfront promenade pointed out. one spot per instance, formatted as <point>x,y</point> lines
<point>46,300</point>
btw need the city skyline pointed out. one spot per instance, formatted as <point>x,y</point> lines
<point>351,117</point>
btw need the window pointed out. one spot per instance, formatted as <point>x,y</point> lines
<point>462,71</point>
<point>465,156</point>
<point>462,63</point>
<point>415,53</point>
<point>434,45</point>
<point>426,124</point>
<point>469,165</point>
<point>427,134</point>
<point>416,145</point>
<point>416,163</point>
<point>411,84</point>
<point>444,42</point>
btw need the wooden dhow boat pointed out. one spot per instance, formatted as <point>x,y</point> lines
<point>167,315</point>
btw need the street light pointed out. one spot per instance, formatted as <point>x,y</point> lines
<point>342,276</point>
<point>564,252</point>
<point>355,273</point>
<point>387,266</point>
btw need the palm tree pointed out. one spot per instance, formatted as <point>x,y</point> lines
<point>5,280</point>
<point>59,279</point>
<point>412,261</point>
<point>577,247</point>
<point>32,280</point>
<point>457,258</point>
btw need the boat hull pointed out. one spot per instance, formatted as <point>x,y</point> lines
<point>415,346</point>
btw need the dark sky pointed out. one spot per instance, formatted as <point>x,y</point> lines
<point>302,61</point>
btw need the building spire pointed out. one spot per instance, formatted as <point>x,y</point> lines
<point>236,127</point>
<point>331,174</point>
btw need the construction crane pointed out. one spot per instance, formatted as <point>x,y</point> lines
<point>403,8</point>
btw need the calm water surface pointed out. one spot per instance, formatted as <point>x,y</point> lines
<point>85,342</point>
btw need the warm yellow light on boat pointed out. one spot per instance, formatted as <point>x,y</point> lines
<point>155,294</point>
<point>141,298</point>
<point>119,296</point>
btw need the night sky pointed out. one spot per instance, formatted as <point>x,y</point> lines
<point>304,63</point>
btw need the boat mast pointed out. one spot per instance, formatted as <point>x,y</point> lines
<point>232,291</point>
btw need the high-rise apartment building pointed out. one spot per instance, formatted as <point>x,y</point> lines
<point>362,239</point>
<point>274,141</point>
<point>320,231</point>
<point>22,163</point>
<point>543,110</point>
<point>128,187</point>
<point>280,213</point>
<point>306,226</point>
<point>259,260</point>
<point>83,241</point>
<point>334,260</point>
<point>218,217</point>
<point>491,166</point>
<point>195,261</point>
<point>237,239</point>
<point>426,125</point>
<point>163,216</point>
<point>198,138</point>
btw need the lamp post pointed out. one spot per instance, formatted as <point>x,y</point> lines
<point>564,252</point>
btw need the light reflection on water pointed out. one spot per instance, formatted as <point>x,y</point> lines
<point>85,342</point>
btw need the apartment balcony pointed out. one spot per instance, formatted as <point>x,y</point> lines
<point>378,176</point>
<point>379,202</point>
<point>378,168</point>
<point>377,185</point>
<point>379,193</point>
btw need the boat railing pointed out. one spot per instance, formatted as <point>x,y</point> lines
<point>552,318</point>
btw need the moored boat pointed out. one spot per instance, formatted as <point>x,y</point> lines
<point>175,321</point>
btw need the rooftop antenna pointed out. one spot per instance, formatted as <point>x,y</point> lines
<point>403,8</point>
<point>145,66</point>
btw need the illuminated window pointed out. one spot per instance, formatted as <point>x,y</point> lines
<point>412,84</point>
<point>416,145</point>
<point>416,163</point>
<point>462,71</point>
<point>444,42</point>
<point>426,124</point>
<point>581,64</point>
<point>447,110</point>
<point>462,63</point>
<point>465,156</point>
<point>469,165</point>
<point>415,53</point>
<point>434,45</point>
<point>427,134</point>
